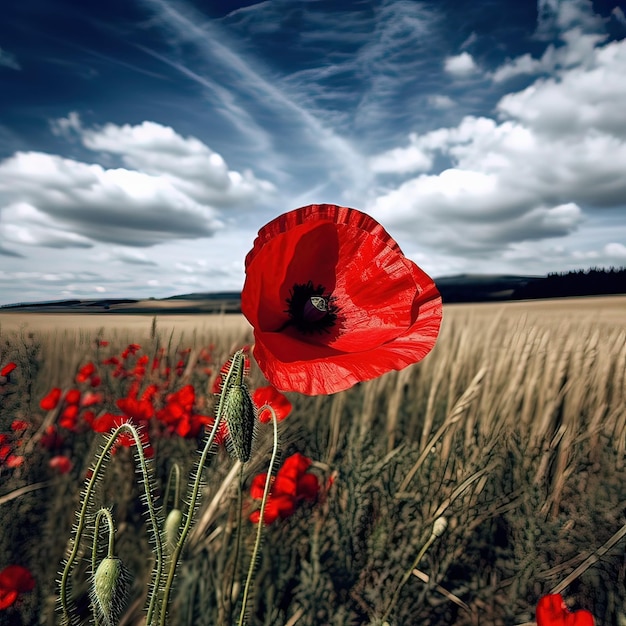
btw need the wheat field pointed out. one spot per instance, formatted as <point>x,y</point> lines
<point>513,429</point>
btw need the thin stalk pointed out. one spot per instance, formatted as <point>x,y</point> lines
<point>439,527</point>
<point>259,532</point>
<point>195,491</point>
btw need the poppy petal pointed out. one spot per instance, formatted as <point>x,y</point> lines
<point>380,311</point>
<point>552,611</point>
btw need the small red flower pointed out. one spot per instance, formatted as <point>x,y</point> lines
<point>7,369</point>
<point>552,611</point>
<point>89,398</point>
<point>19,425</point>
<point>333,301</point>
<point>14,460</point>
<point>14,580</point>
<point>85,372</point>
<point>270,396</point>
<point>72,396</point>
<point>50,401</point>
<point>69,417</point>
<point>61,464</point>
<point>138,410</point>
<point>51,439</point>
<point>291,485</point>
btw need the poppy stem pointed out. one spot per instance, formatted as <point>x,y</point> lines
<point>193,497</point>
<point>82,518</point>
<point>194,492</point>
<point>259,532</point>
<point>96,533</point>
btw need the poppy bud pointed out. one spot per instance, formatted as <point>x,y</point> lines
<point>239,410</point>
<point>240,417</point>
<point>172,528</point>
<point>439,526</point>
<point>108,590</point>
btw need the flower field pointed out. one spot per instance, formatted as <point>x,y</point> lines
<point>513,430</point>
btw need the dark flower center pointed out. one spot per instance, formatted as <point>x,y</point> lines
<point>310,310</point>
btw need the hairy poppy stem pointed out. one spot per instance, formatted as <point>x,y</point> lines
<point>82,519</point>
<point>111,528</point>
<point>259,532</point>
<point>195,487</point>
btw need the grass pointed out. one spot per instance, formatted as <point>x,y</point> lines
<point>513,429</point>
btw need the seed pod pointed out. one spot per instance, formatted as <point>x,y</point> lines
<point>108,590</point>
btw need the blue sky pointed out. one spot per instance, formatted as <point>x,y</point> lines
<point>144,142</point>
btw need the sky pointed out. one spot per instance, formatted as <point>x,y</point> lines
<point>143,143</point>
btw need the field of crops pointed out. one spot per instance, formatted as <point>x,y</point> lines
<point>513,430</point>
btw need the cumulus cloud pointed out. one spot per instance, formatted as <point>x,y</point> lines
<point>185,162</point>
<point>577,30</point>
<point>89,202</point>
<point>615,251</point>
<point>556,156</point>
<point>461,65</point>
<point>171,188</point>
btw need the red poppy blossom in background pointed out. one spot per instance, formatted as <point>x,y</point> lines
<point>50,401</point>
<point>60,463</point>
<point>14,580</point>
<point>552,611</point>
<point>7,369</point>
<point>85,372</point>
<point>270,396</point>
<point>291,485</point>
<point>333,301</point>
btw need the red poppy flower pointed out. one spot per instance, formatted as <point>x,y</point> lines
<point>291,485</point>
<point>138,410</point>
<point>51,439</point>
<point>72,396</point>
<point>7,369</point>
<point>264,396</point>
<point>14,580</point>
<point>333,301</point>
<point>69,417</point>
<point>552,611</point>
<point>14,460</point>
<point>50,401</point>
<point>85,372</point>
<point>61,464</point>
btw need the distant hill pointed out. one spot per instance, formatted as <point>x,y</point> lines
<point>480,287</point>
<point>459,288</point>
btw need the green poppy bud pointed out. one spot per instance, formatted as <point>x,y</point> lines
<point>108,590</point>
<point>172,528</point>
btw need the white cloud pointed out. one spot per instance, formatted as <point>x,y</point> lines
<point>110,205</point>
<point>461,65</point>
<point>583,99</point>
<point>171,188</point>
<point>9,60</point>
<point>615,251</point>
<point>577,30</point>
<point>441,102</point>
<point>186,163</point>
<point>557,156</point>
<point>403,160</point>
